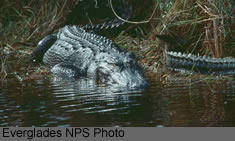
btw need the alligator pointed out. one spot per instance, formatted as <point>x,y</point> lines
<point>183,62</point>
<point>78,52</point>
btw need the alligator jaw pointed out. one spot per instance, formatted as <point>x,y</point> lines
<point>129,78</point>
<point>128,75</point>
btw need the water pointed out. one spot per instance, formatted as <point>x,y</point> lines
<point>46,102</point>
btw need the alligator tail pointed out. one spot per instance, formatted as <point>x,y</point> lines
<point>126,11</point>
<point>42,47</point>
<point>202,64</point>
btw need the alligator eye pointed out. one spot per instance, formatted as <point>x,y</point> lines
<point>116,64</point>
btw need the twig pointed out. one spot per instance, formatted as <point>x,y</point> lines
<point>206,10</point>
<point>132,22</point>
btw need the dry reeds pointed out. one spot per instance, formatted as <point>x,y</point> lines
<point>209,25</point>
<point>209,22</point>
<point>23,24</point>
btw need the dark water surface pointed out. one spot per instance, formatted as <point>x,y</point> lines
<point>48,103</point>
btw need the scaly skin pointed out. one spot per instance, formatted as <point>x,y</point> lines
<point>187,62</point>
<point>204,65</point>
<point>79,53</point>
<point>123,7</point>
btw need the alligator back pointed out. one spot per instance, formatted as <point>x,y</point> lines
<point>71,40</point>
<point>100,29</point>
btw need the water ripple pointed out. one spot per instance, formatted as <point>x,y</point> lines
<point>46,102</point>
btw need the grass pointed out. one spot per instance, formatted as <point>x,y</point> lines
<point>23,24</point>
<point>209,25</point>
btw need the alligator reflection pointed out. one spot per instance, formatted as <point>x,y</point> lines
<point>50,102</point>
<point>89,97</point>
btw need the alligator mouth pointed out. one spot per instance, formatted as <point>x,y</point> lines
<point>128,78</point>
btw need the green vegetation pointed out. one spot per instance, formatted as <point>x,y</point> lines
<point>209,24</point>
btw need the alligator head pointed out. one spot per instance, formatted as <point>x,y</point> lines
<point>120,68</point>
